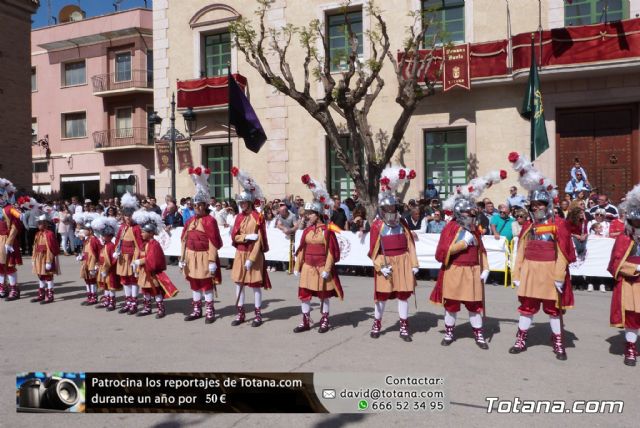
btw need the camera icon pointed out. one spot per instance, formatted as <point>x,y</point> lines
<point>328,393</point>
<point>54,393</point>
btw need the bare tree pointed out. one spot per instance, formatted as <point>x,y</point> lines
<point>350,93</point>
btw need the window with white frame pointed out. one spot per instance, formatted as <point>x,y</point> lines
<point>74,125</point>
<point>217,54</point>
<point>34,129</point>
<point>34,79</point>
<point>123,66</point>
<point>124,122</point>
<point>74,73</point>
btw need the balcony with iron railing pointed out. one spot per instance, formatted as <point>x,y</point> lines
<point>123,82</point>
<point>123,139</point>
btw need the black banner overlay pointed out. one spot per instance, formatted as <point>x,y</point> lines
<point>201,392</point>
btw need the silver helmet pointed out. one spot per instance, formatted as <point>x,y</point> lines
<point>245,196</point>
<point>461,207</point>
<point>388,200</point>
<point>108,230</point>
<point>201,197</point>
<point>633,214</point>
<point>315,206</point>
<point>150,227</point>
<point>540,196</point>
<point>544,197</point>
<point>388,210</point>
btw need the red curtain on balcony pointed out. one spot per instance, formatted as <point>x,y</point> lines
<point>585,44</point>
<point>206,92</point>
<point>580,45</point>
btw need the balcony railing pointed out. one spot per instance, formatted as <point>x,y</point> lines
<point>122,137</point>
<point>133,79</point>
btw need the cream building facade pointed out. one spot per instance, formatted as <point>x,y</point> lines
<point>452,135</point>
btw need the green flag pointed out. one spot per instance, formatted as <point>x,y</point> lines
<point>533,111</point>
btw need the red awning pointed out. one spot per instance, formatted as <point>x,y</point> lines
<point>206,92</point>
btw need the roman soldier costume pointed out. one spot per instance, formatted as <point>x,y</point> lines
<point>45,259</point>
<point>393,252</point>
<point>316,257</point>
<point>150,267</point>
<point>249,237</point>
<point>91,248</point>
<point>545,250</point>
<point>108,281</point>
<point>625,268</point>
<point>10,230</point>
<point>200,244</point>
<point>465,266</point>
<point>128,245</point>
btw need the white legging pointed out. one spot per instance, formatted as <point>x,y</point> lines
<point>67,237</point>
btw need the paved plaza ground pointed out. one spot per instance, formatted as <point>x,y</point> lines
<point>67,336</point>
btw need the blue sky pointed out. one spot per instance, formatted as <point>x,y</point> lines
<point>91,7</point>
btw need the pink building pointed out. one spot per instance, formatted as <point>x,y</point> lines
<point>92,88</point>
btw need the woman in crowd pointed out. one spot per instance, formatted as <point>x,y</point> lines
<point>270,223</point>
<point>66,229</point>
<point>577,224</point>
<point>521,217</point>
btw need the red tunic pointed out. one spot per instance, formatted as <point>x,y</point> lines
<point>111,281</point>
<point>316,255</point>
<point>469,257</point>
<point>7,221</point>
<point>153,275</point>
<point>621,252</point>
<point>199,241</point>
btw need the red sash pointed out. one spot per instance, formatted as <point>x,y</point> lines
<point>128,247</point>
<point>394,245</point>
<point>469,257</point>
<point>540,251</point>
<point>4,230</point>
<point>41,249</point>
<point>197,241</point>
<point>315,255</point>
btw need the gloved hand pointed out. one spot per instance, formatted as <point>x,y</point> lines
<point>8,249</point>
<point>103,274</point>
<point>415,271</point>
<point>296,273</point>
<point>386,271</point>
<point>213,268</point>
<point>559,285</point>
<point>484,275</point>
<point>79,257</point>
<point>469,238</point>
<point>638,268</point>
<point>248,264</point>
<point>516,283</point>
<point>325,275</point>
<point>135,264</point>
<point>181,264</point>
<point>251,237</point>
<point>116,254</point>
<point>47,266</point>
<point>93,272</point>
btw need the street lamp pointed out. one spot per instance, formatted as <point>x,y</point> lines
<point>190,121</point>
<point>171,136</point>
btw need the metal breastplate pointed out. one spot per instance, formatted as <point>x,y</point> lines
<point>549,237</point>
<point>387,230</point>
